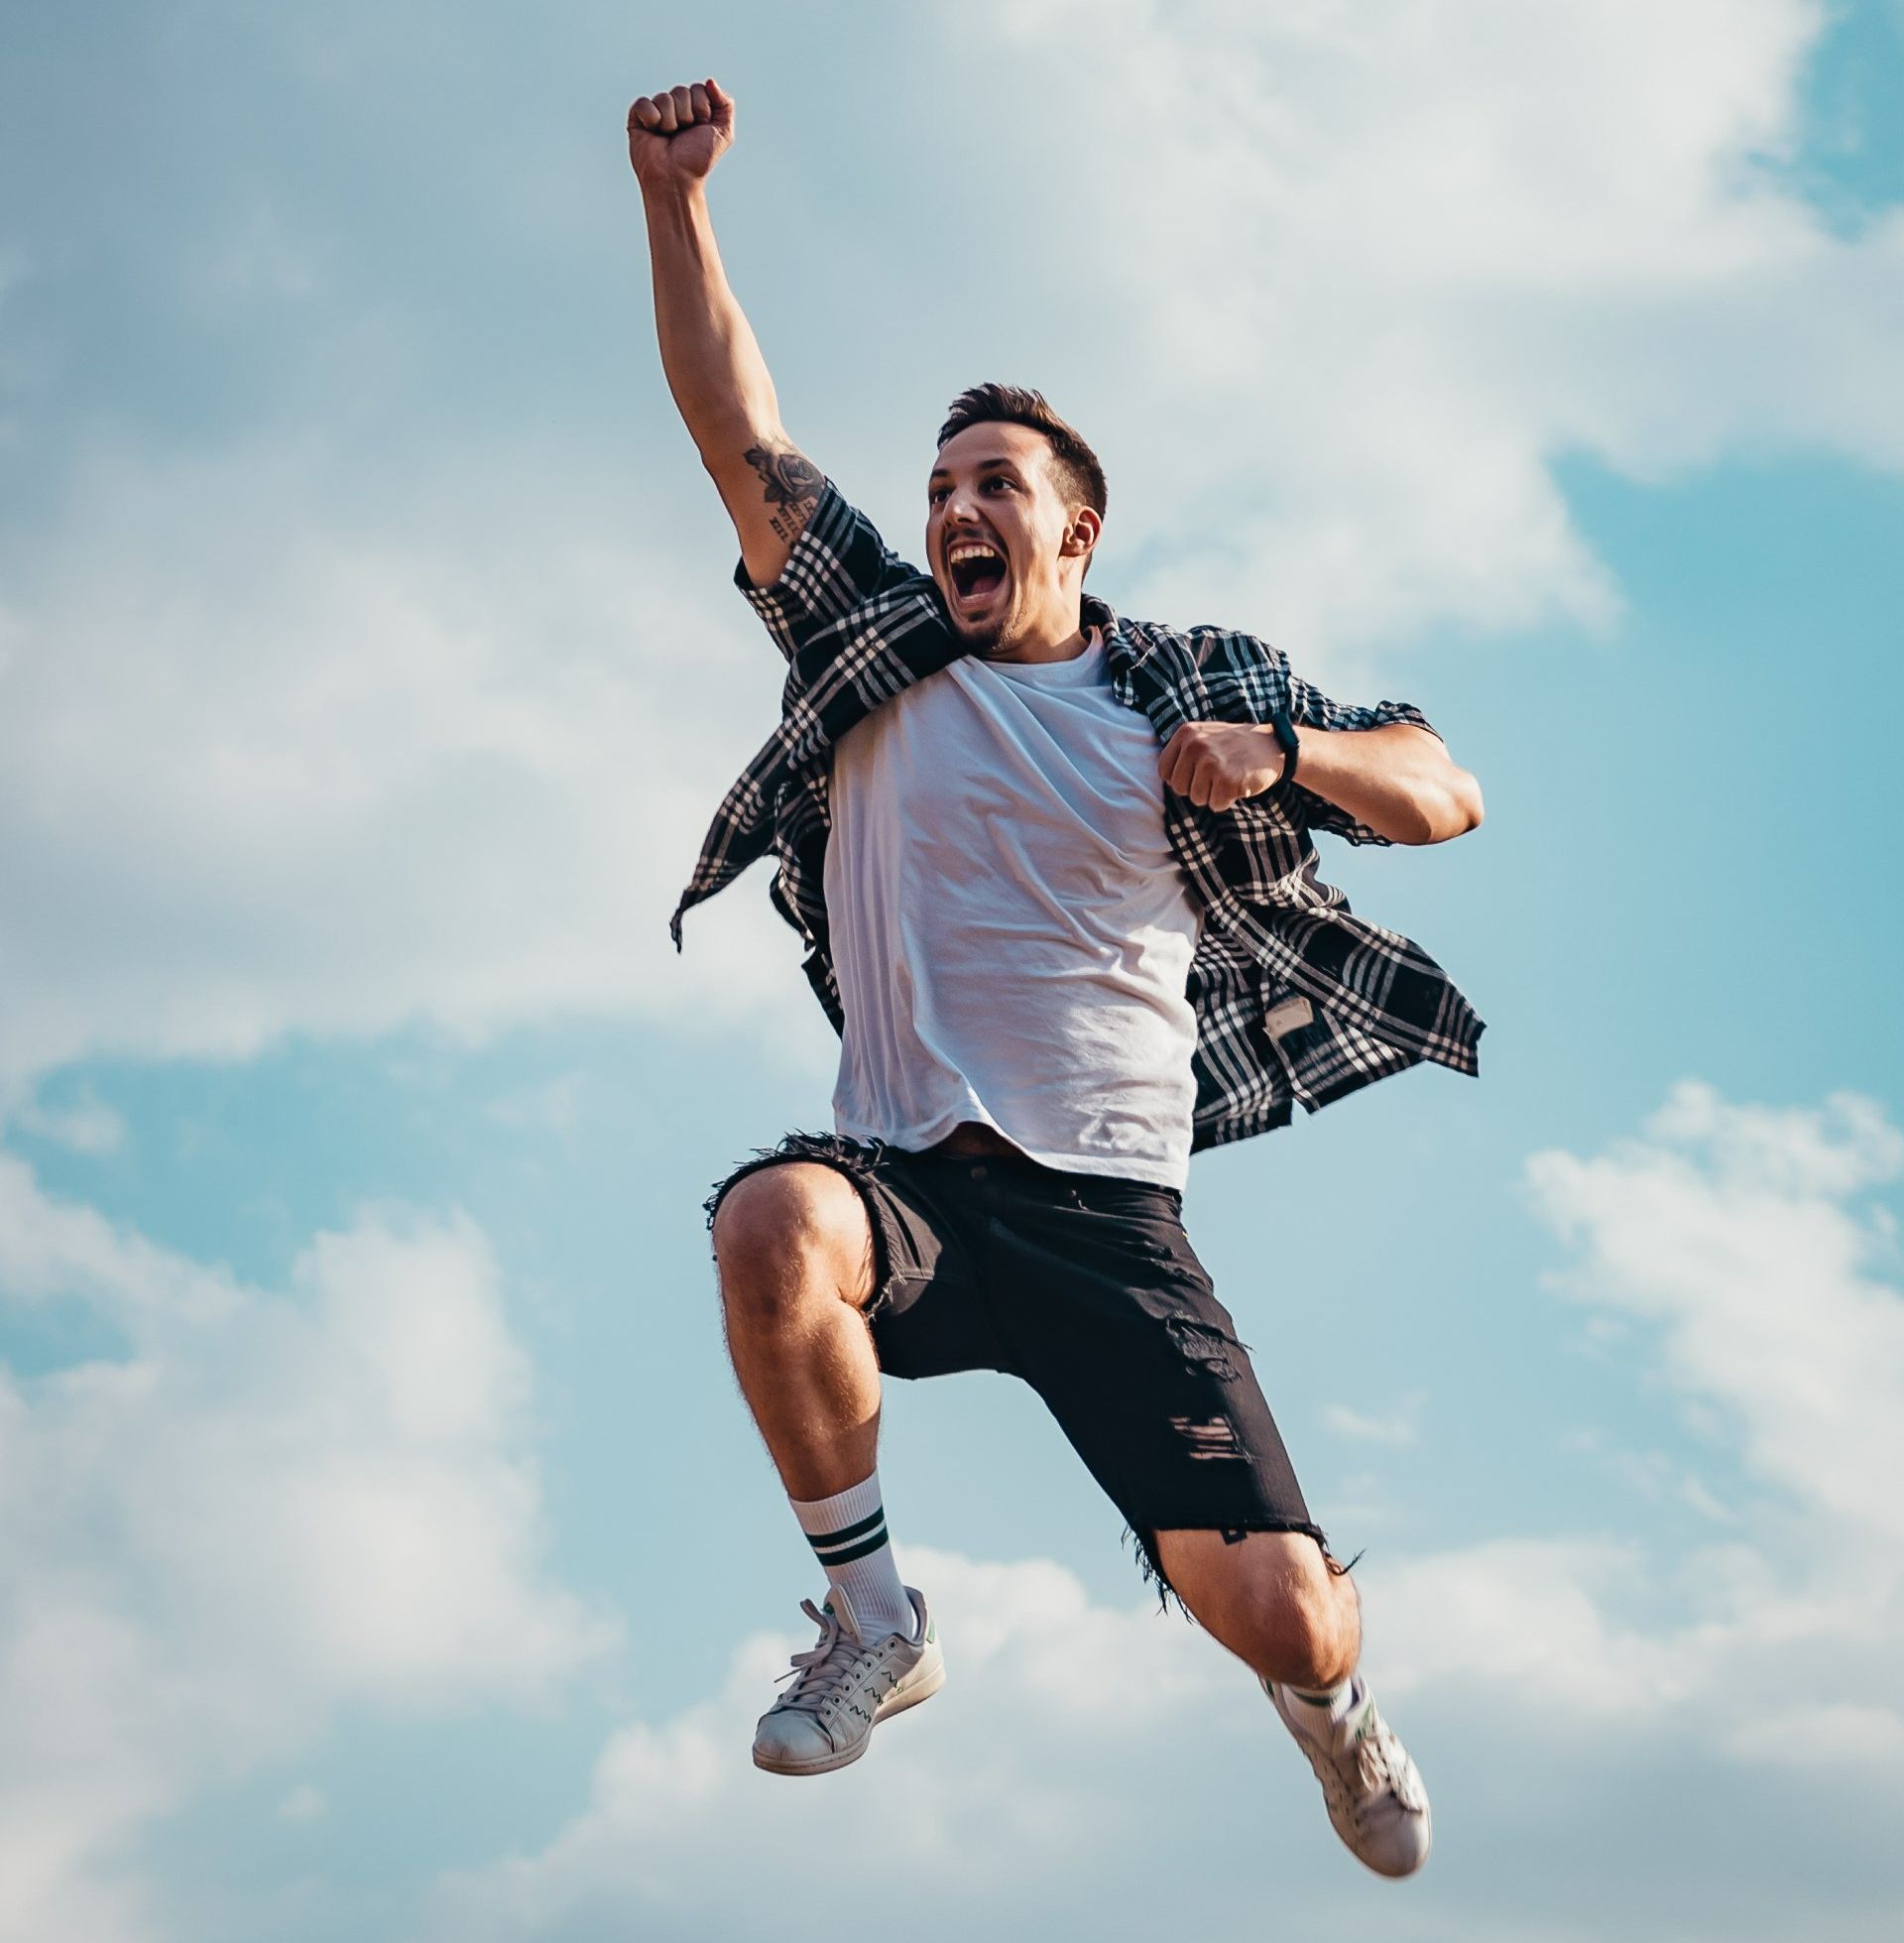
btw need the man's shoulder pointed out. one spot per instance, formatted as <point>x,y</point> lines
<point>848,528</point>
<point>1202,652</point>
<point>838,572</point>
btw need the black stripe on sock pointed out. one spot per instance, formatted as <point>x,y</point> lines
<point>833,1551</point>
<point>824,1541</point>
<point>864,1548</point>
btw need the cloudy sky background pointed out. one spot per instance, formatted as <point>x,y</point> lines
<point>382,1550</point>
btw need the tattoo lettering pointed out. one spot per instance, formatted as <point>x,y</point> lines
<point>789,479</point>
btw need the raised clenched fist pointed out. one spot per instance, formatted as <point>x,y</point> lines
<point>678,136</point>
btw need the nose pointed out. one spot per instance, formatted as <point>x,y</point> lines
<point>959,511</point>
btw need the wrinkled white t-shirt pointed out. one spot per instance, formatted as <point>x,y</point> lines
<point>1010,929</point>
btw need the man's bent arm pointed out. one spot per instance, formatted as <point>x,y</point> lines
<point>719,379</point>
<point>1395,780</point>
<point>1399,779</point>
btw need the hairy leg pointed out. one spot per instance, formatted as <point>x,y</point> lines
<point>1272,1600</point>
<point>795,1250</point>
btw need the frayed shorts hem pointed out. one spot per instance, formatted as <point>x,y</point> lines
<point>1143,1538</point>
<point>857,1161</point>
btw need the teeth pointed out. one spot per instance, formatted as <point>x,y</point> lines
<point>973,551</point>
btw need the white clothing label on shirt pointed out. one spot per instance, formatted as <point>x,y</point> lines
<point>1289,1016</point>
<point>1010,929</point>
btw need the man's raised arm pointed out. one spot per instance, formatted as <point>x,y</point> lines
<point>714,366</point>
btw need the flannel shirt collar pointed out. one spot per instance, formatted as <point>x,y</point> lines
<point>1125,646</point>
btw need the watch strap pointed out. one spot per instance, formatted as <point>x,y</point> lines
<point>1285,734</point>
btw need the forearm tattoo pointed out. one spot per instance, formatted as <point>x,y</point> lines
<point>790,480</point>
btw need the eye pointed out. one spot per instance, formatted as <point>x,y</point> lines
<point>997,479</point>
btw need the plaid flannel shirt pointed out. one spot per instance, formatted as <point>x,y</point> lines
<point>1296,998</point>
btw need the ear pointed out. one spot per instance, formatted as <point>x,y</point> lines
<point>1082,534</point>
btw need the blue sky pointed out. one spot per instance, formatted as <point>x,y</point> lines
<point>388,1554</point>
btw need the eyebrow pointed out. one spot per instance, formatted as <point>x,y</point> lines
<point>985,465</point>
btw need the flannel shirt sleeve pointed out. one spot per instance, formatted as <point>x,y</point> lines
<point>1310,708</point>
<point>838,562</point>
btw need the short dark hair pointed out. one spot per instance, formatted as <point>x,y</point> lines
<point>1079,472</point>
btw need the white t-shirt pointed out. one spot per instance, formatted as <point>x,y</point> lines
<point>1010,929</point>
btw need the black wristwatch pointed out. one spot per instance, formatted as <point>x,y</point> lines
<point>1285,734</point>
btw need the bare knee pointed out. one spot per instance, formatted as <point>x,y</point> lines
<point>1308,1634</point>
<point>789,1236</point>
<point>1272,1600</point>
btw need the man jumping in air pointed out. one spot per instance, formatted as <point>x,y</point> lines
<point>1054,872</point>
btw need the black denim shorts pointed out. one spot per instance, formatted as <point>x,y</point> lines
<point>1085,1286</point>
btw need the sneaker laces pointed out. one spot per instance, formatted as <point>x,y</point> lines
<point>1336,1790</point>
<point>1371,1764</point>
<point>818,1674</point>
<point>1382,1764</point>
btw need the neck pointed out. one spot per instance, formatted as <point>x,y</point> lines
<point>1063,642</point>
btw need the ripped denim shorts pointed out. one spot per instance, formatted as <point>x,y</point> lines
<point>1086,1287</point>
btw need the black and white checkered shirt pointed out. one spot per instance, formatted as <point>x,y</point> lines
<point>1296,998</point>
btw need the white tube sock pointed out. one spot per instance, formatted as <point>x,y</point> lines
<point>1320,1714</point>
<point>848,1534</point>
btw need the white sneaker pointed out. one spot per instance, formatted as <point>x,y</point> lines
<point>842,1686</point>
<point>1376,1799</point>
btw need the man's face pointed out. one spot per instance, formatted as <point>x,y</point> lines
<point>996,534</point>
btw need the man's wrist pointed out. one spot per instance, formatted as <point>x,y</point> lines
<point>1282,732</point>
<point>672,193</point>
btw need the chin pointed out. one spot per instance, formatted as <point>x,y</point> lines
<point>975,637</point>
<point>979,637</point>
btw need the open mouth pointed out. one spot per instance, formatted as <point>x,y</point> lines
<point>977,572</point>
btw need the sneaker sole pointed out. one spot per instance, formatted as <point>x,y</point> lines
<point>892,1705</point>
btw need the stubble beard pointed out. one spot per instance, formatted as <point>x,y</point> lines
<point>990,639</point>
<point>987,640</point>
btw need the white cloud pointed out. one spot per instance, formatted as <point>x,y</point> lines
<point>1824,1734</point>
<point>320,735</point>
<point>552,1106</point>
<point>1734,1235</point>
<point>279,771</point>
<point>262,1505</point>
<point>1732,1232</point>
<point>1735,1238</point>
<point>1381,265</point>
<point>1397,1430</point>
<point>258,260</point>
<point>1527,1623</point>
<point>80,1121</point>
<point>1023,1761</point>
<point>304,1803</point>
